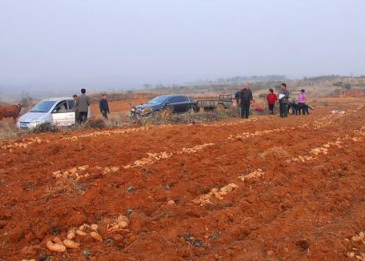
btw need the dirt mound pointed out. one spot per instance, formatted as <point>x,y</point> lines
<point>274,153</point>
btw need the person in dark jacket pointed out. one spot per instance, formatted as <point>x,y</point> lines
<point>237,96</point>
<point>271,100</point>
<point>283,100</point>
<point>245,100</point>
<point>83,103</point>
<point>104,106</point>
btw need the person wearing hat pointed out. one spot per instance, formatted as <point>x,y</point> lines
<point>302,99</point>
<point>245,100</point>
<point>283,101</point>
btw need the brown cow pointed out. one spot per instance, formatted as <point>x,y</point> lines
<point>10,112</point>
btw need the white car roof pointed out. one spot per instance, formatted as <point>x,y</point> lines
<point>58,99</point>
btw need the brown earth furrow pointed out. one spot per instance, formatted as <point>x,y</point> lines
<point>293,211</point>
<point>188,221</point>
<point>157,156</point>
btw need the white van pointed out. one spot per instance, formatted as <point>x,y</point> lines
<point>57,111</point>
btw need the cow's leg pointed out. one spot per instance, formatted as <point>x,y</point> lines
<point>305,110</point>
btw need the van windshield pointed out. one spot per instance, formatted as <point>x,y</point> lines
<point>43,106</point>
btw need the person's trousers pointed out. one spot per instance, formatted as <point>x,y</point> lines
<point>271,108</point>
<point>245,109</point>
<point>294,110</point>
<point>283,110</point>
<point>82,116</point>
<point>77,117</point>
<point>104,114</point>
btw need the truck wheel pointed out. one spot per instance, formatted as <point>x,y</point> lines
<point>191,109</point>
<point>219,108</point>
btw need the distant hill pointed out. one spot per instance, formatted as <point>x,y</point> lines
<point>8,92</point>
<point>14,93</point>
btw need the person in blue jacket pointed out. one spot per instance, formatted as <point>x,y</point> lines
<point>104,106</point>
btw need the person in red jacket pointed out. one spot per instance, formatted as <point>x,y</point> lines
<point>271,100</point>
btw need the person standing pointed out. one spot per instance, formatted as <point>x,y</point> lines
<point>271,100</point>
<point>237,96</point>
<point>302,99</point>
<point>75,108</point>
<point>83,103</point>
<point>104,106</point>
<point>283,101</point>
<point>245,99</point>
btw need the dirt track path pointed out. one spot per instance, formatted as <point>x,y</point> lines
<point>294,211</point>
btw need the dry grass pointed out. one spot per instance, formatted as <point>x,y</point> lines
<point>95,123</point>
<point>118,120</point>
<point>8,130</point>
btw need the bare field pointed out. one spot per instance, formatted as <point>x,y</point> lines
<point>121,106</point>
<point>260,189</point>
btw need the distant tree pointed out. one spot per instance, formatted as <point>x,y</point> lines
<point>160,85</point>
<point>277,87</point>
<point>262,95</point>
<point>147,86</point>
<point>26,100</point>
<point>338,84</point>
<point>347,86</point>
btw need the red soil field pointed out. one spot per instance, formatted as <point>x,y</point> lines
<point>260,189</point>
<point>120,106</point>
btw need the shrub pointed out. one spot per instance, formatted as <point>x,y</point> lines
<point>117,121</point>
<point>26,100</point>
<point>262,95</point>
<point>187,118</point>
<point>95,123</point>
<point>44,127</point>
<point>8,130</point>
<point>347,86</point>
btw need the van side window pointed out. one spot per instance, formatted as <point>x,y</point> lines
<point>70,104</point>
<point>61,107</point>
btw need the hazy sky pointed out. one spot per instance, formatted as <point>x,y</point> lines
<point>130,42</point>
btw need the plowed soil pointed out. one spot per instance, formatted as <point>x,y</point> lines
<point>260,189</point>
<point>118,106</point>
